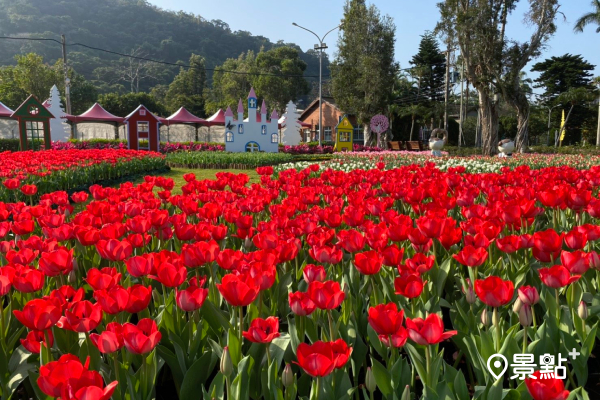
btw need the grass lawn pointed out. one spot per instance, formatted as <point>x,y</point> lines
<point>201,174</point>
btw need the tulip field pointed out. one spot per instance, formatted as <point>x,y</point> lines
<point>387,280</point>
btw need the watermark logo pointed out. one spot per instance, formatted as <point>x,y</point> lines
<point>524,365</point>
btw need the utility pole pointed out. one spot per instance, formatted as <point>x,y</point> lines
<point>67,80</point>
<point>462,118</point>
<point>446,90</point>
<point>598,131</point>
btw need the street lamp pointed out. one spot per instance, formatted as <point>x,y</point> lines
<point>319,46</point>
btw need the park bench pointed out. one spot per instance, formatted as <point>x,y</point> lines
<point>413,146</point>
<point>395,146</point>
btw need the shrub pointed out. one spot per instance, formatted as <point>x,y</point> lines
<point>225,160</point>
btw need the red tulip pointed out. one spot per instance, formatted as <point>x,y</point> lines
<point>91,392</point>
<point>263,273</point>
<point>262,330</point>
<point>301,304</point>
<point>143,338</point>
<point>427,331</point>
<point>112,301</point>
<point>11,184</point>
<point>313,272</point>
<point>170,275</point>
<point>7,274</point>
<point>139,298</point>
<point>576,262</point>
<point>546,245</point>
<point>29,190</point>
<point>238,290</point>
<point>39,314</point>
<point>326,254</point>
<point>67,296</point>
<point>528,295</point>
<point>398,338</point>
<point>140,266</point>
<point>56,374</point>
<point>103,279</point>
<point>317,359</point>
<point>230,259</point>
<point>557,276</point>
<point>431,227</point>
<point>385,319</point>
<point>471,256</point>
<point>576,240</point>
<point>326,295</point>
<point>409,285</point>
<point>114,250</point>
<point>82,317</point>
<point>368,263</point>
<point>494,291</point>
<point>351,240</point>
<point>199,253</point>
<point>110,340</point>
<point>191,298</point>
<point>33,341</point>
<point>420,263</point>
<point>392,255</point>
<point>341,352</point>
<point>545,387</point>
<point>509,244</point>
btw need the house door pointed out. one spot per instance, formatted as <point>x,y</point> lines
<point>35,134</point>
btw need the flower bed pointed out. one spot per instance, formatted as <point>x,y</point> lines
<point>54,170</point>
<point>225,160</point>
<point>393,284</point>
<point>122,144</point>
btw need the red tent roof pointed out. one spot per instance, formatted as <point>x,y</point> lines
<point>98,114</point>
<point>5,112</point>
<point>183,116</point>
<point>217,118</point>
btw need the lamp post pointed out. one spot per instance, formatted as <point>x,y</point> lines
<point>320,46</point>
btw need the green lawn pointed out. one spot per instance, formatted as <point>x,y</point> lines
<point>201,174</point>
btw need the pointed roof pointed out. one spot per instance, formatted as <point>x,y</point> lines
<point>282,122</point>
<point>5,112</point>
<point>228,112</point>
<point>252,94</point>
<point>217,118</point>
<point>46,103</point>
<point>263,108</point>
<point>183,116</point>
<point>31,101</point>
<point>240,107</point>
<point>274,115</point>
<point>99,114</point>
<point>141,106</point>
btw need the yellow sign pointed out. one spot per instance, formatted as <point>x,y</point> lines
<point>562,126</point>
<point>343,135</point>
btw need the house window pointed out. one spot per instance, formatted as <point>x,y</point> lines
<point>358,135</point>
<point>251,147</point>
<point>35,133</point>
<point>142,112</point>
<point>274,138</point>
<point>143,126</point>
<point>229,136</point>
<point>344,136</point>
<point>327,134</point>
<point>241,128</point>
<point>263,130</point>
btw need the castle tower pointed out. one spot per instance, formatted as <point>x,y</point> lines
<point>252,105</point>
<point>263,112</point>
<point>240,111</point>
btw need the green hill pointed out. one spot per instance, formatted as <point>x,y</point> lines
<point>124,26</point>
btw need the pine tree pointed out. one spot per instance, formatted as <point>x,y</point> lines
<point>187,89</point>
<point>559,74</point>
<point>430,68</point>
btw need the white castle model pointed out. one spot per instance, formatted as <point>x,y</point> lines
<point>255,133</point>
<point>59,129</point>
<point>291,134</point>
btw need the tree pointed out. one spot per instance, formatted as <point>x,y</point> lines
<point>279,90</point>
<point>430,68</point>
<point>187,89</point>
<point>493,62</point>
<point>593,17</point>
<point>558,74</point>
<point>35,77</point>
<point>364,70</point>
<point>412,111</point>
<point>573,97</point>
<point>123,105</point>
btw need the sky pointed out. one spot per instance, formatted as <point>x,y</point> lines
<point>273,19</point>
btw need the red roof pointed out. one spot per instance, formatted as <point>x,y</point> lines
<point>98,114</point>
<point>5,112</point>
<point>217,118</point>
<point>183,116</point>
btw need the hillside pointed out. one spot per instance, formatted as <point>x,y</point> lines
<point>124,26</point>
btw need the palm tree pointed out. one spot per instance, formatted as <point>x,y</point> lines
<point>412,110</point>
<point>589,18</point>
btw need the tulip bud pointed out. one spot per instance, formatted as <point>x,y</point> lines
<point>496,317</point>
<point>582,310</point>
<point>156,297</point>
<point>248,243</point>
<point>525,315</point>
<point>594,260</point>
<point>226,364</point>
<point>370,381</point>
<point>485,317</point>
<point>287,378</point>
<point>517,306</point>
<point>470,293</point>
<point>72,277</point>
<point>406,393</point>
<point>75,264</point>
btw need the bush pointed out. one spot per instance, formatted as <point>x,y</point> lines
<point>224,160</point>
<point>9,145</point>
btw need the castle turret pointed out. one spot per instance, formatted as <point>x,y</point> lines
<point>274,116</point>
<point>252,105</point>
<point>263,112</point>
<point>240,111</point>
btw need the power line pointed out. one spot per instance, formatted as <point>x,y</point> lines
<point>163,62</point>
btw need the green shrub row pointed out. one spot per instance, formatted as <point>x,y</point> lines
<point>205,159</point>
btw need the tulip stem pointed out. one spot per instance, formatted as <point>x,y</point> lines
<point>191,327</point>
<point>496,321</point>
<point>557,307</point>
<point>524,340</point>
<point>48,347</point>
<point>331,332</point>
<point>268,356</point>
<point>319,386</point>
<point>428,366</point>
<point>2,319</point>
<point>241,316</point>
<point>533,317</point>
<point>392,352</point>
<point>372,279</point>
<point>116,362</point>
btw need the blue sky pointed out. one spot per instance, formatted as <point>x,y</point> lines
<point>273,19</point>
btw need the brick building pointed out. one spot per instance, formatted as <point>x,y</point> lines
<point>331,116</point>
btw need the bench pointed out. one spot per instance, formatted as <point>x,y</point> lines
<point>395,146</point>
<point>414,145</point>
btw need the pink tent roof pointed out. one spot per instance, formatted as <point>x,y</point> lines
<point>217,118</point>
<point>98,114</point>
<point>183,116</point>
<point>5,112</point>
